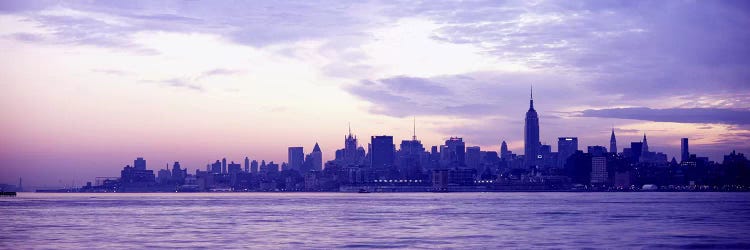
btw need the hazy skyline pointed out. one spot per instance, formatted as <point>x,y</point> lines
<point>86,87</point>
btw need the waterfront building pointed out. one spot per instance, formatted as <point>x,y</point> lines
<point>598,170</point>
<point>382,152</point>
<point>684,150</point>
<point>531,135</point>
<point>566,146</point>
<point>295,157</point>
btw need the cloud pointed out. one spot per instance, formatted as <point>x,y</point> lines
<point>182,83</point>
<point>114,72</point>
<point>680,115</point>
<point>476,94</point>
<point>218,72</point>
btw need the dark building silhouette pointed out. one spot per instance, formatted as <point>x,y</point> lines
<point>314,160</point>
<point>612,142</point>
<point>531,135</point>
<point>383,151</point>
<point>636,150</point>
<point>296,157</point>
<point>597,150</point>
<point>247,164</point>
<point>224,165</point>
<point>216,167</point>
<point>453,153</point>
<point>566,146</point>
<point>139,164</point>
<point>254,166</point>
<point>504,153</point>
<point>684,150</point>
<point>473,157</point>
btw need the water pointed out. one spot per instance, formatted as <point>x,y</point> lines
<point>376,220</point>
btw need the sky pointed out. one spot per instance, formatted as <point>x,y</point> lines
<point>88,86</point>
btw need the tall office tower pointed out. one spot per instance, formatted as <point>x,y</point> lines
<point>684,150</point>
<point>473,157</point>
<point>295,158</point>
<point>504,150</point>
<point>254,166</point>
<point>247,164</point>
<point>382,151</point>
<point>645,145</point>
<point>350,153</point>
<point>410,157</point>
<point>139,164</point>
<point>566,146</point>
<point>216,167</point>
<point>613,142</point>
<point>316,158</point>
<point>636,150</point>
<point>224,166</point>
<point>531,135</point>
<point>598,170</point>
<point>455,152</point>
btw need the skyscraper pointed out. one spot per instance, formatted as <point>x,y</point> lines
<point>645,145</point>
<point>247,164</point>
<point>454,153</point>
<point>224,165</point>
<point>139,164</point>
<point>316,158</point>
<point>254,166</point>
<point>566,146</point>
<point>295,157</point>
<point>504,150</point>
<point>350,153</point>
<point>473,157</point>
<point>684,150</point>
<point>383,151</point>
<point>613,142</point>
<point>531,135</point>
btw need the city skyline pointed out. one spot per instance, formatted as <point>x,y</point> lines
<point>88,86</point>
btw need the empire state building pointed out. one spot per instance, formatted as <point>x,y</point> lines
<point>531,135</point>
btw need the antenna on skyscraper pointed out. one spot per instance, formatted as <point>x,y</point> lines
<point>532,92</point>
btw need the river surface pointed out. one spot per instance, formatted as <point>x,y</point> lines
<point>375,220</point>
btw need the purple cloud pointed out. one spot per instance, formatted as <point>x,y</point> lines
<point>680,115</point>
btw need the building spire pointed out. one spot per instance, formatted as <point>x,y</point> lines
<point>531,98</point>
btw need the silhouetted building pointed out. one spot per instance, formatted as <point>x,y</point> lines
<point>504,153</point>
<point>224,165</point>
<point>247,164</point>
<point>139,164</point>
<point>410,158</point>
<point>644,147</point>
<point>216,167</point>
<point>473,157</point>
<point>613,142</point>
<point>383,152</point>
<point>598,170</point>
<point>566,146</point>
<point>597,150</point>
<point>531,135</point>
<point>234,168</point>
<point>315,159</point>
<point>351,154</point>
<point>254,166</point>
<point>684,150</point>
<point>296,157</point>
<point>453,153</point>
<point>636,149</point>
